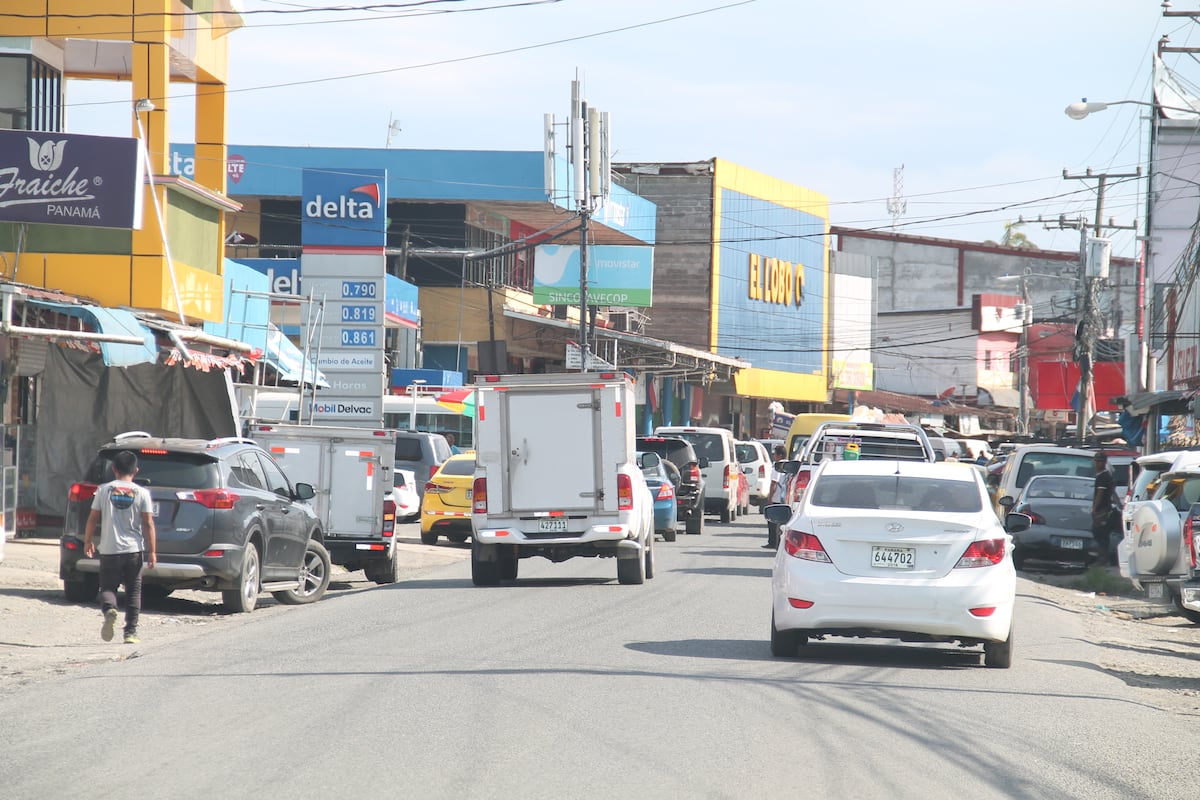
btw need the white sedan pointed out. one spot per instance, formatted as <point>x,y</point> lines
<point>893,549</point>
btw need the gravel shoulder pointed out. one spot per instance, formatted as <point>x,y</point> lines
<point>41,634</point>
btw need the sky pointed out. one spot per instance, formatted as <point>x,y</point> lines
<point>835,96</point>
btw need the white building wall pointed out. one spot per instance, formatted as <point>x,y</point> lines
<point>925,352</point>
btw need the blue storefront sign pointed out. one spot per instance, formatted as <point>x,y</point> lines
<point>344,210</point>
<point>70,179</point>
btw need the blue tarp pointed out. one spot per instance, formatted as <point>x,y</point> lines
<point>114,321</point>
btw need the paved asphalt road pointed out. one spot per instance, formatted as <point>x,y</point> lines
<point>568,685</point>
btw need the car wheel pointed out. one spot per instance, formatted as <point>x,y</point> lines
<point>998,655</point>
<point>632,571</point>
<point>384,572</point>
<point>1018,562</point>
<point>695,523</point>
<point>649,556</point>
<point>244,598</point>
<point>155,591</point>
<point>314,577</point>
<point>84,590</point>
<point>785,644</point>
<point>727,514</point>
<point>457,538</point>
<point>509,564</point>
<point>668,535</point>
<point>429,538</point>
<point>483,573</point>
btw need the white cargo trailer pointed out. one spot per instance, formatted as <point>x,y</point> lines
<point>556,475</point>
<point>351,470</point>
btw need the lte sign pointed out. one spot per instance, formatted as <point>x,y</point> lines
<point>344,209</point>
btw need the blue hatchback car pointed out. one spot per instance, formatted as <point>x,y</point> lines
<point>662,479</point>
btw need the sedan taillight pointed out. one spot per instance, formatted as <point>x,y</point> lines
<point>805,546</point>
<point>665,492</point>
<point>984,553</point>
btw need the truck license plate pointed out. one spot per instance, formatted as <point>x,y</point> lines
<point>552,525</point>
<point>1154,591</point>
<point>893,557</point>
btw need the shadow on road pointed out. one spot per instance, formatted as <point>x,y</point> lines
<point>748,572</point>
<point>848,654</point>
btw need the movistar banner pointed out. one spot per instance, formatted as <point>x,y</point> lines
<point>618,275</point>
<point>70,179</point>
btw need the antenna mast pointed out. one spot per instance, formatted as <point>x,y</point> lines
<point>896,204</point>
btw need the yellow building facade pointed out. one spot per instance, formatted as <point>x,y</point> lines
<point>173,263</point>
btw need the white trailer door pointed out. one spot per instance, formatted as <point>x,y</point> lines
<point>552,450</point>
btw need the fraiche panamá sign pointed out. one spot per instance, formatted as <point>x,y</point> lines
<point>70,179</point>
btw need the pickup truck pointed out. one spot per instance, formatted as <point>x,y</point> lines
<point>870,441</point>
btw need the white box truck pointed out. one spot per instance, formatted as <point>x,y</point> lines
<point>351,470</point>
<point>556,475</point>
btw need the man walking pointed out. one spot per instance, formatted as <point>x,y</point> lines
<point>1105,519</point>
<point>123,511</point>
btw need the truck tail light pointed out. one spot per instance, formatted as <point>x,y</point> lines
<point>762,470</point>
<point>479,495</point>
<point>728,476</point>
<point>81,492</point>
<point>800,484</point>
<point>389,518</point>
<point>624,492</point>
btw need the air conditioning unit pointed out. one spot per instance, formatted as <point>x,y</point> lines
<point>630,320</point>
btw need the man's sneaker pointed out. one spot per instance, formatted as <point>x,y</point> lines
<point>110,622</point>
<point>131,637</point>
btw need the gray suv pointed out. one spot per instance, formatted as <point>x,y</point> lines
<point>227,518</point>
<point>423,453</point>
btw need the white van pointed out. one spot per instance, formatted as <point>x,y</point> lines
<point>721,474</point>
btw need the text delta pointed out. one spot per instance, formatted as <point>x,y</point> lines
<point>345,207</point>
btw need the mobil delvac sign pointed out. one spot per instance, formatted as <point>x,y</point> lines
<point>70,179</point>
<point>344,209</point>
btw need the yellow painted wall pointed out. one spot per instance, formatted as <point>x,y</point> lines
<point>777,385</point>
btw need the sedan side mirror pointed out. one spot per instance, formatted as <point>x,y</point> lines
<point>305,491</point>
<point>779,513</point>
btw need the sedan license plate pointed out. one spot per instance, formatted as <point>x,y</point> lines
<point>552,525</point>
<point>893,557</point>
<point>1071,544</point>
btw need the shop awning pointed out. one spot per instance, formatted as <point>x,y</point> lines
<point>1175,401</point>
<point>121,339</point>
<point>288,360</point>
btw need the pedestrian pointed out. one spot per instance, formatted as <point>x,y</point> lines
<point>123,511</point>
<point>1106,517</point>
<point>775,494</point>
<point>453,447</point>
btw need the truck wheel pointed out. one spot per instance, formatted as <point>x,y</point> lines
<point>695,522</point>
<point>429,538</point>
<point>483,573</point>
<point>632,570</point>
<point>508,567</point>
<point>727,514</point>
<point>314,577</point>
<point>83,590</point>
<point>386,571</point>
<point>244,598</point>
<point>998,655</point>
<point>1177,601</point>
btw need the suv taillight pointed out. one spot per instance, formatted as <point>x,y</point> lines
<point>624,492</point>
<point>728,476</point>
<point>479,495</point>
<point>215,498</point>
<point>693,474</point>
<point>389,517</point>
<point>1189,541</point>
<point>81,492</point>
<point>800,484</point>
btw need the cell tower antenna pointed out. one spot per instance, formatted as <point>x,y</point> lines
<point>896,204</point>
<point>392,130</point>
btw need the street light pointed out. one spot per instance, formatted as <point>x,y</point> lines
<point>1083,107</point>
<point>413,388</point>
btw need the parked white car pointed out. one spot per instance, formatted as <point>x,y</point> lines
<point>404,494</point>
<point>755,462</point>
<point>1160,553</point>
<point>893,549</point>
<point>721,474</point>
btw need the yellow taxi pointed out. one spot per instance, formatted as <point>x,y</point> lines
<point>446,507</point>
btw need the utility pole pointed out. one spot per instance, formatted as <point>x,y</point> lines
<point>1090,276</point>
